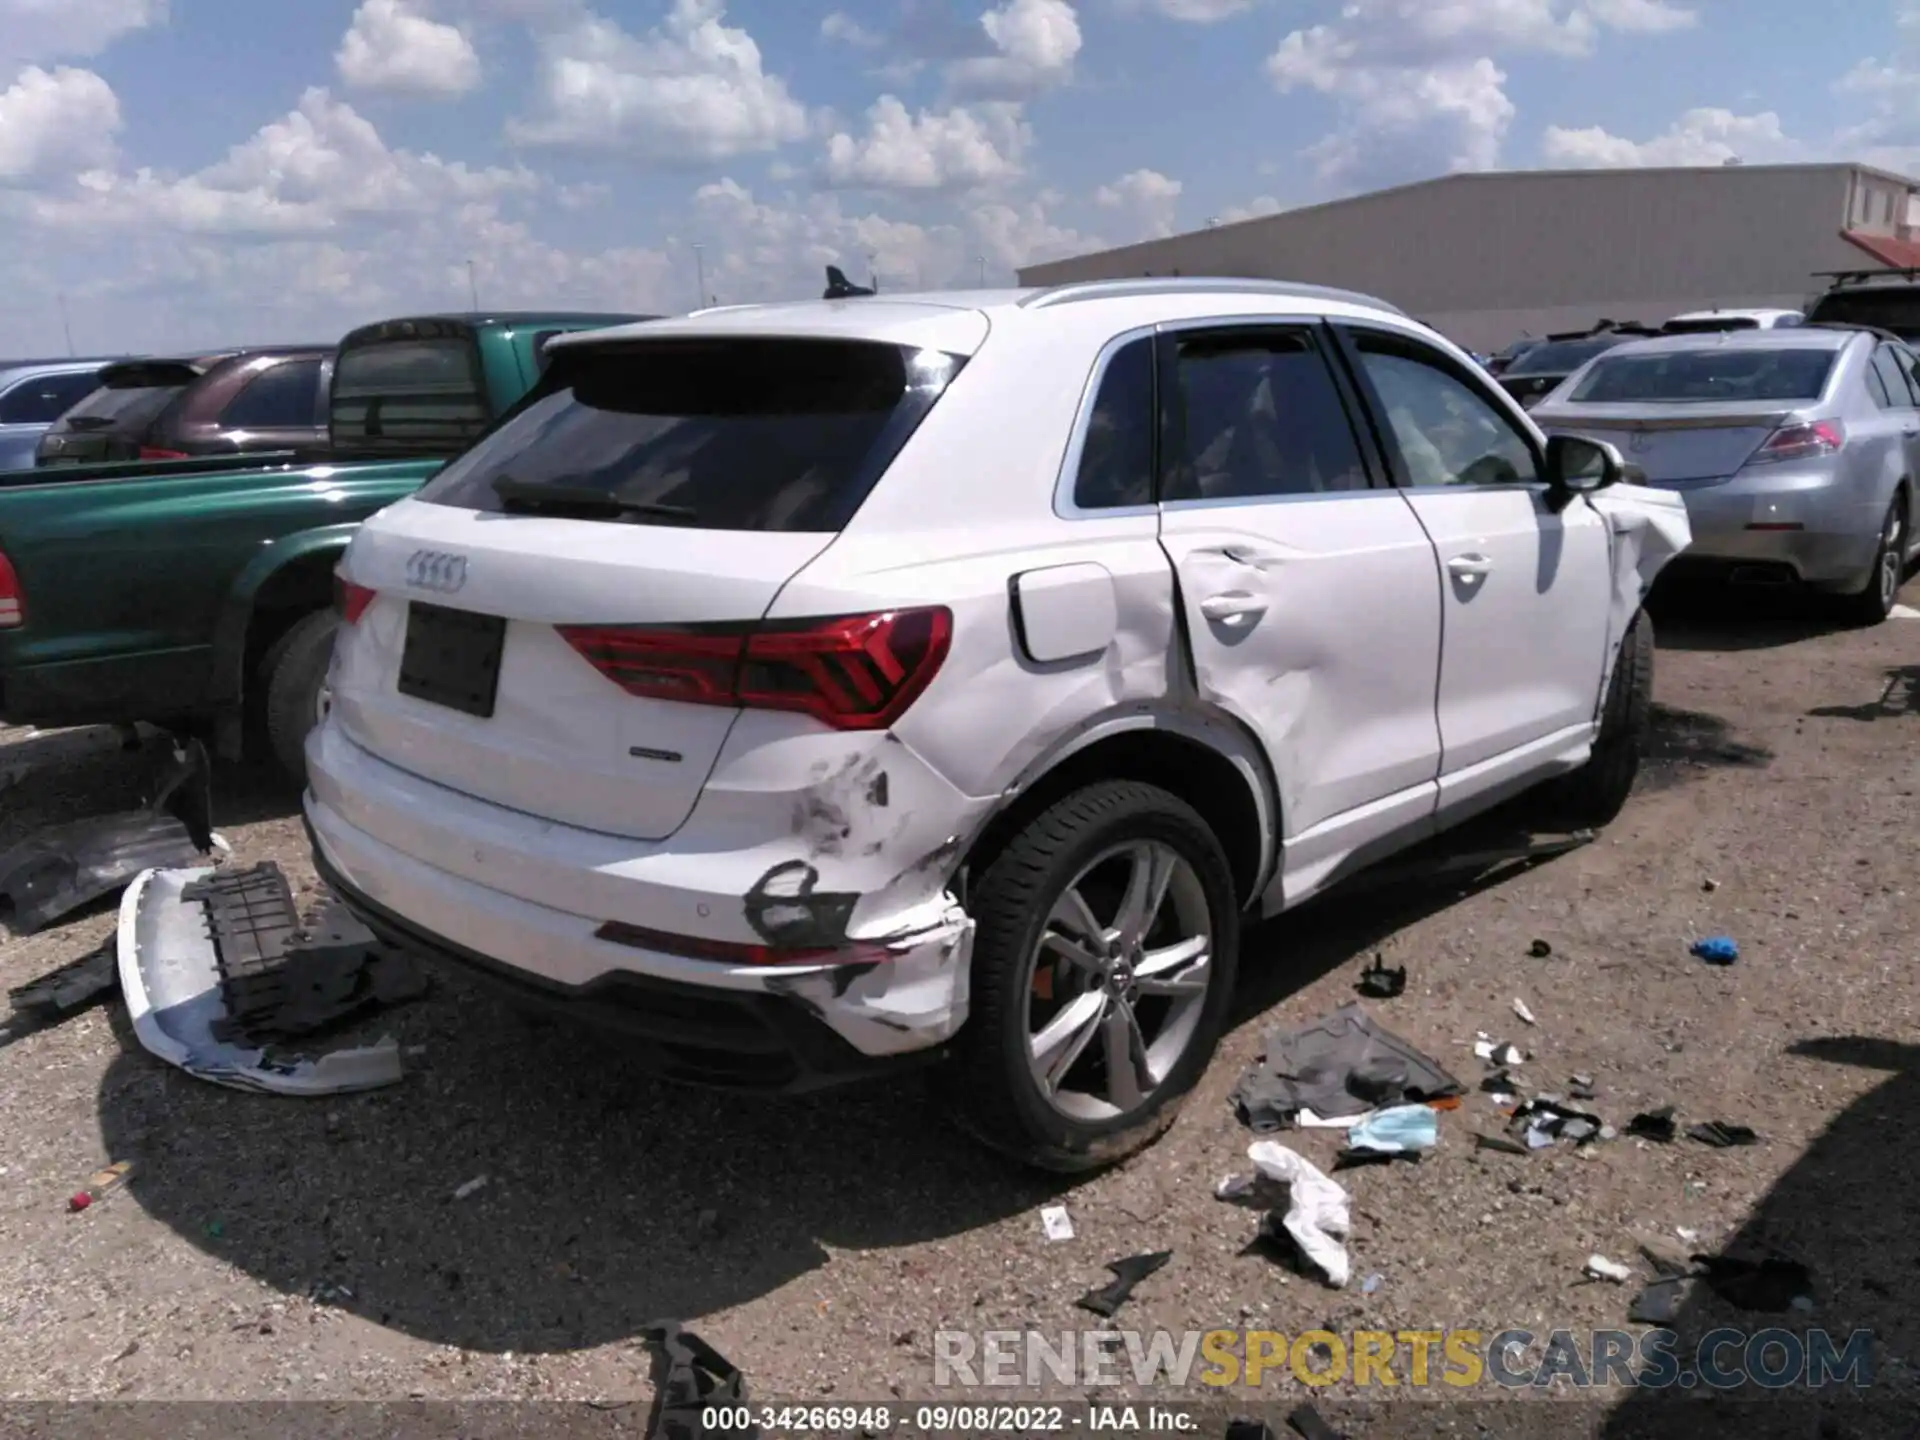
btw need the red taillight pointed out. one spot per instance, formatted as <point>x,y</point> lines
<point>151,452</point>
<point>13,605</point>
<point>730,952</point>
<point>349,599</point>
<point>854,672</point>
<point>1801,442</point>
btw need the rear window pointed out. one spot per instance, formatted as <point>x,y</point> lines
<point>1895,308</point>
<point>124,409</point>
<point>750,434</point>
<point>421,396</point>
<point>1713,325</point>
<point>1559,357</point>
<point>1678,376</point>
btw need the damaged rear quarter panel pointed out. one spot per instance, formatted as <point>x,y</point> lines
<point>1647,528</point>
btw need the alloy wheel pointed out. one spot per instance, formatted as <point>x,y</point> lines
<point>1892,555</point>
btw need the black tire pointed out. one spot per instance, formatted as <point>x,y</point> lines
<point>299,668</point>
<point>1873,602</point>
<point>1597,792</point>
<point>988,1081</point>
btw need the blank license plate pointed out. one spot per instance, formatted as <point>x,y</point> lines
<point>452,658</point>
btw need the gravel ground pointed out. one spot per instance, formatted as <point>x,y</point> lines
<point>276,1248</point>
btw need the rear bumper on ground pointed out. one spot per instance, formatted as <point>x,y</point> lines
<point>539,924</point>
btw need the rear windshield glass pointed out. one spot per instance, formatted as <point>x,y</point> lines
<point>749,434</point>
<point>1713,325</point>
<point>1560,357</point>
<point>1894,308</point>
<point>1709,375</point>
<point>129,409</point>
<point>417,396</point>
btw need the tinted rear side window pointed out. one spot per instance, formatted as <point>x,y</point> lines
<point>1892,308</point>
<point>279,398</point>
<point>44,400</point>
<point>750,434</point>
<point>125,410</point>
<point>1116,457</point>
<point>409,396</point>
<point>1680,376</point>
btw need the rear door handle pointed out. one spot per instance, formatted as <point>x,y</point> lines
<point>1235,607</point>
<point>1470,567</point>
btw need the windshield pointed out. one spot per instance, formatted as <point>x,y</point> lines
<point>750,434</point>
<point>419,395</point>
<point>125,409</point>
<point>1679,376</point>
<point>1888,307</point>
<point>1560,357</point>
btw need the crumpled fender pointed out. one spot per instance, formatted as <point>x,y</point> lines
<point>1647,528</point>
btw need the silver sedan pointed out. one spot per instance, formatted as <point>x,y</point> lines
<point>1797,451</point>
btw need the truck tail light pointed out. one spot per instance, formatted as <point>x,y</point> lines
<point>13,604</point>
<point>853,672</point>
<point>1801,441</point>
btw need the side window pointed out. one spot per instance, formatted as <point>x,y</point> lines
<point>1447,432</point>
<point>540,360</point>
<point>280,398</point>
<point>1116,458</point>
<point>43,400</point>
<point>1893,379</point>
<point>1877,384</point>
<point>1256,413</point>
<point>1909,366</point>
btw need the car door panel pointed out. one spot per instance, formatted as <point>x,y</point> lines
<point>1527,587</point>
<point>1309,595</point>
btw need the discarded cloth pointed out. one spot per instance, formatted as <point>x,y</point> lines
<point>1341,1065</point>
<point>1397,1130</point>
<point>1317,1215</point>
<point>1127,1273</point>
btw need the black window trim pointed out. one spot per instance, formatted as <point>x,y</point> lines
<point>1347,333</point>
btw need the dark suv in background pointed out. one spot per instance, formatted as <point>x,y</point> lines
<point>1542,366</point>
<point>233,403</point>
<point>1879,299</point>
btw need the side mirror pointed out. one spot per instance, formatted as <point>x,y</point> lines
<point>1577,465</point>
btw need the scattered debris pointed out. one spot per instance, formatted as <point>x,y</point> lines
<point>1580,1087</point>
<point>1655,1125</point>
<point>1666,1259</point>
<point>60,868</point>
<point>1520,1009</point>
<point>1770,1285</point>
<point>1056,1223</point>
<point>1601,1268</point>
<point>1499,1144</point>
<point>1690,1236</point>
<point>1371,1284</point>
<point>1497,1052</point>
<point>692,1382</point>
<point>1543,1120</point>
<point>1306,1422</point>
<point>1659,1303</point>
<point>1317,1216</point>
<point>1127,1273</point>
<point>100,1184</point>
<point>470,1187</point>
<point>1723,1136</point>
<point>65,992</point>
<point>1235,1187</point>
<point>170,975</point>
<point>1709,885</point>
<point>1539,949</point>
<point>1377,982</point>
<point>1399,1129</point>
<point>1342,1065</point>
<point>1715,950</point>
<point>1310,1120</point>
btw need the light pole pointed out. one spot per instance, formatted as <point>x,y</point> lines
<point>700,274</point>
<point>982,262</point>
<point>66,325</point>
<point>473,288</point>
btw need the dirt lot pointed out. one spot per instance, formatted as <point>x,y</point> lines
<point>282,1248</point>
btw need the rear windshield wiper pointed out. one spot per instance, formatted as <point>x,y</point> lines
<point>537,496</point>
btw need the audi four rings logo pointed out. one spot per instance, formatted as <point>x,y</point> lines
<point>436,570</point>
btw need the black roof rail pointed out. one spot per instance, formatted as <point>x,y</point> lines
<point>1855,277</point>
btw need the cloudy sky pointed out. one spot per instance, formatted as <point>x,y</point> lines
<point>183,172</point>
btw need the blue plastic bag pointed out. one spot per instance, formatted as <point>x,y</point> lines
<point>1716,950</point>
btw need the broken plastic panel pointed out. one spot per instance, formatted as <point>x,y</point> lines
<point>1341,1065</point>
<point>60,868</point>
<point>1127,1273</point>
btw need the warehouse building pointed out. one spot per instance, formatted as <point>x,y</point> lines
<point>1486,258</point>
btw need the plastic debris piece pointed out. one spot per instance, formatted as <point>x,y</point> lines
<point>1578,1130</point>
<point>170,976</point>
<point>1127,1273</point>
<point>1308,1424</point>
<point>1769,1285</point>
<point>1507,1056</point>
<point>1655,1125</point>
<point>1234,1187</point>
<point>1709,885</point>
<point>1539,1137</point>
<point>1520,1009</point>
<point>692,1381</point>
<point>1317,1215</point>
<point>1601,1268</point>
<point>1343,1064</point>
<point>101,1184</point>
<point>1723,1136</point>
<point>1666,1258</point>
<point>1371,1284</point>
<point>1659,1303</point>
<point>1715,950</point>
<point>1690,1236</point>
<point>1607,1132</point>
<point>1504,1100</point>
<point>1056,1223</point>
<point>1396,1130</point>
<point>1539,949</point>
<point>1378,982</point>
<point>1498,1143</point>
<point>462,1191</point>
<point>1312,1120</point>
<point>1483,1049</point>
<point>70,989</point>
<point>1580,1087</point>
<point>1348,1158</point>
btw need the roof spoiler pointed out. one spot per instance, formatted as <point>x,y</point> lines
<point>1608,327</point>
<point>841,288</point>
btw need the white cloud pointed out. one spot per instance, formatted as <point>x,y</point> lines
<point>1254,209</point>
<point>1890,135</point>
<point>1146,198</point>
<point>1702,136</point>
<point>1034,43</point>
<point>1419,81</point>
<point>43,29</point>
<point>56,122</point>
<point>1202,12</point>
<point>848,31</point>
<point>391,46</point>
<point>960,148</point>
<point>691,91</point>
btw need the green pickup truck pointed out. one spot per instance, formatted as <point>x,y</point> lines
<point>198,594</point>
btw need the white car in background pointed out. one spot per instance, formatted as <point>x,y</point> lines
<point>1709,322</point>
<point>812,688</point>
